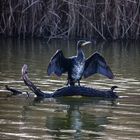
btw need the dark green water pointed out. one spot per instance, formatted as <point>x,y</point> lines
<point>74,117</point>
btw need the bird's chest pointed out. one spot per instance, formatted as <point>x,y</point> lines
<point>77,70</point>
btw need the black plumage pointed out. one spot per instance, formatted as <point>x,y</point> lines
<point>78,66</point>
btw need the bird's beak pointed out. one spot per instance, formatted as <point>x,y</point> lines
<point>86,43</point>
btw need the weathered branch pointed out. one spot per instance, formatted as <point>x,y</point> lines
<point>67,91</point>
<point>14,91</point>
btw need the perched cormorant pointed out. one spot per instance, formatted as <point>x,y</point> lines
<point>77,66</point>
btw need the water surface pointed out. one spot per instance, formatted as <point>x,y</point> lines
<point>71,117</point>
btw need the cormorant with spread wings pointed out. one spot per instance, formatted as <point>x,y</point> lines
<point>78,66</point>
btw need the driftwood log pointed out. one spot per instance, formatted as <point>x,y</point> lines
<point>67,91</point>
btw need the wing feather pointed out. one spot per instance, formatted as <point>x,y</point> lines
<point>97,64</point>
<point>57,64</point>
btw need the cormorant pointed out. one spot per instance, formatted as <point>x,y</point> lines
<point>77,66</point>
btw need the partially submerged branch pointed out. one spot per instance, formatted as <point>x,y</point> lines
<point>14,91</point>
<point>67,91</point>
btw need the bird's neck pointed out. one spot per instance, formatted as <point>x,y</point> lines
<point>80,54</point>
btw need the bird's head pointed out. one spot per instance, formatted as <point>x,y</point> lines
<point>82,43</point>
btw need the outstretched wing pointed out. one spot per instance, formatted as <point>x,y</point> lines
<point>97,64</point>
<point>57,64</point>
